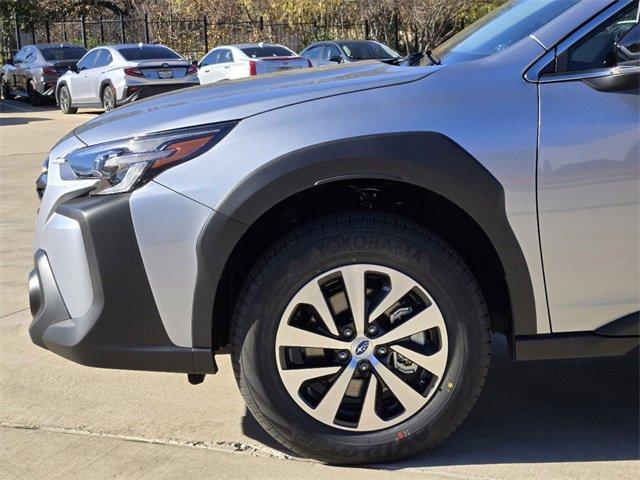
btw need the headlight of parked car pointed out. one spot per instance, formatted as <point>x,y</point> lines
<point>123,164</point>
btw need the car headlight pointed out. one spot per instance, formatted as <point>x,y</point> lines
<point>122,165</point>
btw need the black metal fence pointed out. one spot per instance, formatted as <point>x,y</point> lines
<point>191,37</point>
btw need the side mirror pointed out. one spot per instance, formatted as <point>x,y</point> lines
<point>336,58</point>
<point>627,49</point>
<point>73,68</point>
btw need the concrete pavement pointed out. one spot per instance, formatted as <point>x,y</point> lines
<point>570,419</point>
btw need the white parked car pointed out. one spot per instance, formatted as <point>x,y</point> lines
<point>238,61</point>
<point>113,75</point>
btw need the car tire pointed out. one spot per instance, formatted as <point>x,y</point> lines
<point>352,242</point>
<point>64,100</point>
<point>35,99</point>
<point>108,98</point>
<point>5,89</point>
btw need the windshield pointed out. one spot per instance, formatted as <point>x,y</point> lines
<point>367,50</point>
<point>148,52</point>
<point>52,54</point>
<point>499,29</point>
<point>267,51</point>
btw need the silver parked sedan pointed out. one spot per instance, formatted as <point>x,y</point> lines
<point>111,76</point>
<point>35,69</point>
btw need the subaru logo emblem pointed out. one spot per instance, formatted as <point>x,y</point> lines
<point>362,347</point>
<point>165,65</point>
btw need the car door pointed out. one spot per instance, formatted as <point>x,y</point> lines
<point>80,83</point>
<point>207,68</point>
<point>13,72</point>
<point>224,67</point>
<point>22,71</point>
<point>588,178</point>
<point>92,76</point>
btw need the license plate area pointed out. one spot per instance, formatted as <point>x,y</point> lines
<point>165,74</point>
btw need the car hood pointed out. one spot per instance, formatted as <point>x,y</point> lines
<point>234,100</point>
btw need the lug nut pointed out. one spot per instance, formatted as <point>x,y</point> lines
<point>382,350</point>
<point>343,356</point>
<point>372,330</point>
<point>364,367</point>
<point>347,332</point>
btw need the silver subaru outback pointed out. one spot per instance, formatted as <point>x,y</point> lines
<point>353,235</point>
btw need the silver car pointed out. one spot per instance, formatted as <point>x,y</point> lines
<point>110,76</point>
<point>35,69</point>
<point>347,51</point>
<point>353,235</point>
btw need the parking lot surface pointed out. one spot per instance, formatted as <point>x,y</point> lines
<point>546,420</point>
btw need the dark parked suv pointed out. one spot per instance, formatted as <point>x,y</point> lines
<point>35,69</point>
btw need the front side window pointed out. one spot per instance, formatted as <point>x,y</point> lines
<point>596,49</point>
<point>225,56</point>
<point>19,58</point>
<point>330,51</point>
<point>313,53</point>
<point>500,29</point>
<point>88,60</point>
<point>211,58</point>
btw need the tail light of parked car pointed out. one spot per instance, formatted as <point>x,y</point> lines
<point>50,71</point>
<point>252,68</point>
<point>133,72</point>
<point>192,70</point>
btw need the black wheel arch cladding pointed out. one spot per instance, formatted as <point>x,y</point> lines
<point>428,160</point>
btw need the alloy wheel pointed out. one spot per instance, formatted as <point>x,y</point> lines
<point>362,347</point>
<point>64,99</point>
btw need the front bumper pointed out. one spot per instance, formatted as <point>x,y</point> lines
<point>122,327</point>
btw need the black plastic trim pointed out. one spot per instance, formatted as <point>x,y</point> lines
<point>122,328</point>
<point>627,326</point>
<point>426,159</point>
<point>557,346</point>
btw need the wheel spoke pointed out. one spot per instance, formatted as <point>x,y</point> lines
<point>353,277</point>
<point>407,396</point>
<point>369,419</point>
<point>434,364</point>
<point>400,286</point>
<point>328,406</point>
<point>312,295</point>
<point>293,378</point>
<point>429,318</point>
<point>290,336</point>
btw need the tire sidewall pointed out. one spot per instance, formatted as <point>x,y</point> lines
<point>291,269</point>
<point>65,89</point>
<point>108,88</point>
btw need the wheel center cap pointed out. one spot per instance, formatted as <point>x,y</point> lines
<point>361,347</point>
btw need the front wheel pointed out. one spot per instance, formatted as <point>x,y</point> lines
<point>360,338</point>
<point>64,99</point>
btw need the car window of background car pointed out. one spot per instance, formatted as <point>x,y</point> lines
<point>596,49</point>
<point>211,58</point>
<point>367,51</point>
<point>88,60</point>
<point>148,52</point>
<point>267,51</point>
<point>30,57</point>
<point>19,56</point>
<point>62,53</point>
<point>313,53</point>
<point>330,51</point>
<point>499,29</point>
<point>225,56</point>
<point>103,58</point>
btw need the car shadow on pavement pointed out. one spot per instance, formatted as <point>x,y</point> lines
<point>21,120</point>
<point>537,412</point>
